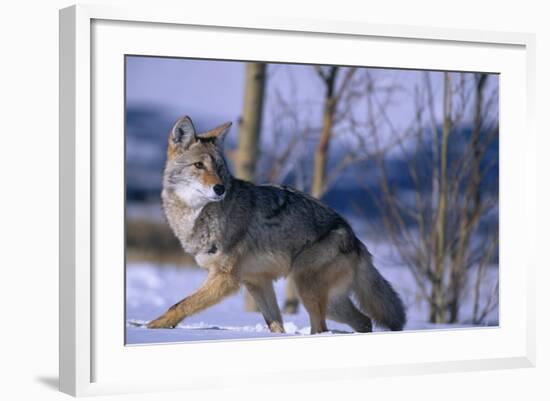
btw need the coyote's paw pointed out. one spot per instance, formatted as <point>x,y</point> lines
<point>164,322</point>
<point>276,327</point>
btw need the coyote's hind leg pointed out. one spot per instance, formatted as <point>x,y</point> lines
<point>342,310</point>
<point>314,296</point>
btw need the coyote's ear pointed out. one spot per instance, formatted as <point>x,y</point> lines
<point>183,133</point>
<point>218,133</point>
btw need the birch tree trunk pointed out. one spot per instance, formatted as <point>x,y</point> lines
<point>249,133</point>
<point>470,212</point>
<point>320,162</point>
<point>251,121</point>
<point>438,302</point>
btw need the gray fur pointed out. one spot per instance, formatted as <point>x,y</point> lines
<point>260,232</point>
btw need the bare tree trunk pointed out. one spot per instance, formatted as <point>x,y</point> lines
<point>469,215</point>
<point>438,304</point>
<point>435,144</point>
<point>320,163</point>
<point>249,133</point>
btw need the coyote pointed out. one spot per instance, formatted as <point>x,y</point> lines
<point>253,234</point>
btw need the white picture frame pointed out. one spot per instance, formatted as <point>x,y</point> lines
<point>93,360</point>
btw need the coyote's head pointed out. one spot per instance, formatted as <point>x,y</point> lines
<point>196,170</point>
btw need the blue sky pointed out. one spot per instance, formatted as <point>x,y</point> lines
<point>214,89</point>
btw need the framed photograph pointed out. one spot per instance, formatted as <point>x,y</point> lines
<point>354,195</point>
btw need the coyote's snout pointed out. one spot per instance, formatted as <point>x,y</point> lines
<point>250,235</point>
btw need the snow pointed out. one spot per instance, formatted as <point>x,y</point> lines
<point>151,289</point>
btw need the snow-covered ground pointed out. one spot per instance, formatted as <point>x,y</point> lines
<point>151,289</point>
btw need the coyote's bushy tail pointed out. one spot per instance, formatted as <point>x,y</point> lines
<point>376,296</point>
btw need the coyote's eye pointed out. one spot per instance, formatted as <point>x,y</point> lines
<point>199,165</point>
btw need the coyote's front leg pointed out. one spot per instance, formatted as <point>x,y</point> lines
<point>217,286</point>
